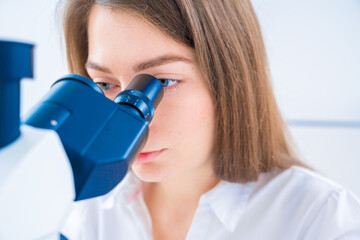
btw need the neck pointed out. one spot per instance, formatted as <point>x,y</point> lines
<point>184,189</point>
<point>172,203</point>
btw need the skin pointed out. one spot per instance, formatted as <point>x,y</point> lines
<point>122,45</point>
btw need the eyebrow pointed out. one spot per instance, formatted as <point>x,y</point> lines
<point>157,61</point>
<point>161,60</point>
<point>95,66</point>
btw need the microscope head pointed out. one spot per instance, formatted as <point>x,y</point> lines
<point>16,63</point>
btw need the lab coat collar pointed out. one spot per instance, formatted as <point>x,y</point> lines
<point>228,201</point>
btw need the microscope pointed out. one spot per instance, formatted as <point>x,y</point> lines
<point>74,145</point>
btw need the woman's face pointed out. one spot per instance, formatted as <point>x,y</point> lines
<point>181,134</point>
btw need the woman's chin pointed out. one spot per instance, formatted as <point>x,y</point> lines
<point>149,172</point>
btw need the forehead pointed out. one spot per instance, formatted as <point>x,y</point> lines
<point>113,33</point>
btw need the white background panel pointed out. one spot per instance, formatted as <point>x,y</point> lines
<point>314,54</point>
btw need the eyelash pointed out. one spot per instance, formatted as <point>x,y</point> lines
<point>165,82</point>
<point>104,85</point>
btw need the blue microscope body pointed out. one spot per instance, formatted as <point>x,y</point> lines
<point>101,137</point>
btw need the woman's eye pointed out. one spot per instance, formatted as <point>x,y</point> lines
<point>168,82</point>
<point>104,85</point>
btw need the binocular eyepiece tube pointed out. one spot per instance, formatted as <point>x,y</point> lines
<point>143,93</point>
<point>101,137</point>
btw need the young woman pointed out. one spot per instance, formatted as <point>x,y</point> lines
<point>217,163</point>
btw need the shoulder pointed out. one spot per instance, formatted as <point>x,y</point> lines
<point>302,183</point>
<point>318,207</point>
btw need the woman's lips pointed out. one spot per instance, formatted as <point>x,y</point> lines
<point>148,156</point>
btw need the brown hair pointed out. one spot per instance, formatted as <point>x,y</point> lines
<point>228,47</point>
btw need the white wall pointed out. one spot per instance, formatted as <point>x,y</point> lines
<point>314,53</point>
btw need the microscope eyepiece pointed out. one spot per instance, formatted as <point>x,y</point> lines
<point>143,93</point>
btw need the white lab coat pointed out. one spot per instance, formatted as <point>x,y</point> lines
<point>294,204</point>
